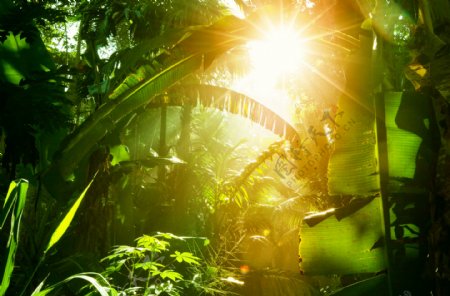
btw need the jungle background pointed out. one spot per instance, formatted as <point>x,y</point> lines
<point>138,156</point>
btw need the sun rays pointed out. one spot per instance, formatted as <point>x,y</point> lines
<point>283,60</point>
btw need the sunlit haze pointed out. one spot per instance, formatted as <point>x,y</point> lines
<point>277,54</point>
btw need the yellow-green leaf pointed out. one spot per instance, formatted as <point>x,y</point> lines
<point>173,275</point>
<point>344,244</point>
<point>353,166</point>
<point>186,257</point>
<point>65,223</point>
<point>14,206</point>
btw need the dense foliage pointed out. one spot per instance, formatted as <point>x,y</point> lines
<point>123,137</point>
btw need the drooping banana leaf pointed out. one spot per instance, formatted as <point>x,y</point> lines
<point>200,48</point>
<point>101,122</point>
<point>13,206</point>
<point>231,101</point>
<point>136,91</point>
<point>344,241</point>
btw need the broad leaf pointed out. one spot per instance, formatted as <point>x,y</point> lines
<point>233,102</point>
<point>343,241</point>
<point>134,93</point>
<point>353,166</point>
<point>15,201</point>
<point>18,58</point>
<point>96,127</point>
<point>119,153</point>
<point>402,145</point>
<point>67,220</point>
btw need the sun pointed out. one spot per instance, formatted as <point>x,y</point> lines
<point>274,57</point>
<point>279,52</point>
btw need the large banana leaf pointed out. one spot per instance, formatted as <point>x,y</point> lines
<point>97,126</point>
<point>200,48</point>
<point>402,145</point>
<point>231,101</point>
<point>13,206</point>
<point>353,166</point>
<point>343,241</point>
<point>138,90</point>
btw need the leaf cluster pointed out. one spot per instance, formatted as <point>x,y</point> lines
<point>151,267</point>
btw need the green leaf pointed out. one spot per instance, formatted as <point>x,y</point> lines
<point>353,166</point>
<point>105,290</point>
<point>125,251</point>
<point>134,93</point>
<point>15,200</point>
<point>152,244</point>
<point>8,204</point>
<point>67,220</point>
<point>344,246</point>
<point>234,102</point>
<point>10,53</point>
<point>149,265</point>
<point>186,257</point>
<point>78,145</point>
<point>38,288</point>
<point>20,59</point>
<point>119,153</point>
<point>402,145</point>
<point>173,275</point>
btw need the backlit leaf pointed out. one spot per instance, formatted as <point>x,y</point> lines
<point>91,277</point>
<point>343,246</point>
<point>173,275</point>
<point>67,220</point>
<point>149,265</point>
<point>96,127</point>
<point>17,194</point>
<point>186,257</point>
<point>353,166</point>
